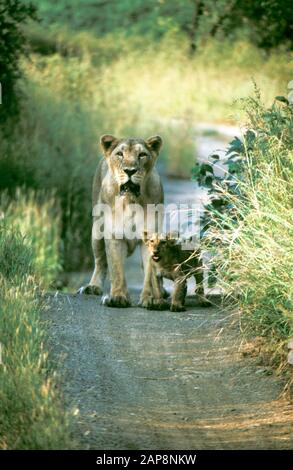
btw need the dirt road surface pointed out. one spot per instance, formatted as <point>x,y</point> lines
<point>162,380</point>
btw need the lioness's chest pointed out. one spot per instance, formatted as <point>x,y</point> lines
<point>127,221</point>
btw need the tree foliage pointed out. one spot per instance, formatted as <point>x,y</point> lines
<point>267,23</point>
<point>12,42</point>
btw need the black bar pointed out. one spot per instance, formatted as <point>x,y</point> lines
<point>143,459</point>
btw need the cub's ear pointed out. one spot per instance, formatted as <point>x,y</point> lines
<point>172,236</point>
<point>108,142</point>
<point>145,236</point>
<point>155,143</point>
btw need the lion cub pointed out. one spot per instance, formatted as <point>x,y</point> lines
<point>169,259</point>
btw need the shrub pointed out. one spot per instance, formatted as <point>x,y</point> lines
<point>255,229</point>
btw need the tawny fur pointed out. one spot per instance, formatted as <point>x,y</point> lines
<point>126,161</point>
<point>172,261</point>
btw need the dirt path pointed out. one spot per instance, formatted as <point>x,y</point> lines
<point>162,380</point>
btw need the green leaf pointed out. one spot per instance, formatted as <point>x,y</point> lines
<point>205,168</point>
<point>282,99</point>
<point>236,145</point>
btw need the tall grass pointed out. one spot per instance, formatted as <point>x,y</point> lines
<point>256,260</point>
<point>36,217</point>
<point>31,415</point>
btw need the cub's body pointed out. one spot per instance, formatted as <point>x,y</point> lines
<point>172,261</point>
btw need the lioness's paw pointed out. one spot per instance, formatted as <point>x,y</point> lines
<point>118,301</point>
<point>145,301</point>
<point>177,308</point>
<point>90,290</point>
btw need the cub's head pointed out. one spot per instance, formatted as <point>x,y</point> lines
<point>130,160</point>
<point>161,246</point>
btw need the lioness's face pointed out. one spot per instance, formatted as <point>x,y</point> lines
<point>130,160</point>
<point>159,245</point>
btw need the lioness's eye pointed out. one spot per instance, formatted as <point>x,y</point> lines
<point>120,154</point>
<point>142,155</point>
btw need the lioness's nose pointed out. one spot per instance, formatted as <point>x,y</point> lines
<point>130,171</point>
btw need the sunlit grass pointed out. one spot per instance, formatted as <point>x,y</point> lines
<point>256,255</point>
<point>31,416</point>
<point>36,217</point>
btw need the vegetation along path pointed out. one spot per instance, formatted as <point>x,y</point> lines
<point>161,380</point>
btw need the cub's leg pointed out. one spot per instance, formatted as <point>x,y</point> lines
<point>151,296</point>
<point>95,286</point>
<point>164,293</point>
<point>146,296</point>
<point>198,274</point>
<point>179,294</point>
<point>199,290</point>
<point>116,251</point>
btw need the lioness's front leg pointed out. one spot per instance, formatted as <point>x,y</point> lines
<point>95,286</point>
<point>116,251</point>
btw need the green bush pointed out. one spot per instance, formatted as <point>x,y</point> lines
<point>255,232</point>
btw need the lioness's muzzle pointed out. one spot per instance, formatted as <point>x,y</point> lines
<point>130,187</point>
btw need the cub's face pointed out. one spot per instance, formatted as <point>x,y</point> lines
<point>160,246</point>
<point>130,160</point>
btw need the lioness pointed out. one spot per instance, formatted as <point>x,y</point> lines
<point>126,174</point>
<point>175,263</point>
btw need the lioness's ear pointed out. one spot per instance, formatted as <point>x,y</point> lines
<point>107,142</point>
<point>155,143</point>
